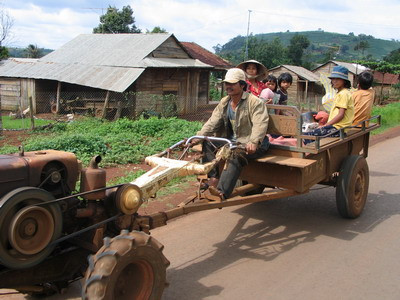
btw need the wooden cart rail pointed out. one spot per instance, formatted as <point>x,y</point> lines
<point>290,125</point>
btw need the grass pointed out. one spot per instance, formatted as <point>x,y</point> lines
<point>390,116</point>
<point>9,123</point>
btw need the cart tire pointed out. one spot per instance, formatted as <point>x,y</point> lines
<point>352,187</point>
<point>129,266</point>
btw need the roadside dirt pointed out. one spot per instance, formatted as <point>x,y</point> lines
<point>163,203</point>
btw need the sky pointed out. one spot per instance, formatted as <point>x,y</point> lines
<point>52,23</point>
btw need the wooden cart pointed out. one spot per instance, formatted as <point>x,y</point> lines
<point>291,170</point>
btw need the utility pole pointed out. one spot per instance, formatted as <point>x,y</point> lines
<point>246,55</point>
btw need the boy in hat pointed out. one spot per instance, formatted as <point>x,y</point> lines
<point>342,111</point>
<point>240,117</point>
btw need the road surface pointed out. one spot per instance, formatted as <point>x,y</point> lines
<point>294,248</point>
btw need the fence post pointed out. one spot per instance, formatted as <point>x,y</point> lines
<point>103,115</point>
<point>58,97</point>
<point>31,112</point>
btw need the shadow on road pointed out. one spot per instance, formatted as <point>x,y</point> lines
<point>269,229</point>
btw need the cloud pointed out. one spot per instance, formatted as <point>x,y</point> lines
<point>34,25</point>
<point>51,24</point>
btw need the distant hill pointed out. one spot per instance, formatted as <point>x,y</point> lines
<point>340,45</point>
<point>19,52</point>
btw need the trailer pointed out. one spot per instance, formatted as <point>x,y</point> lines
<point>103,224</point>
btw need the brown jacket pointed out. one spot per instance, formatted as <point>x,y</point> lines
<point>251,120</point>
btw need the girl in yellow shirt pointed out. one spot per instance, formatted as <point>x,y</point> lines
<point>342,111</point>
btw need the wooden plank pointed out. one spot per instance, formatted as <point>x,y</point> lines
<point>9,82</point>
<point>10,93</point>
<point>7,87</point>
<point>287,161</point>
<point>282,125</point>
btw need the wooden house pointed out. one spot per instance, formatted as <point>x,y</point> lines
<point>383,83</point>
<point>354,69</point>
<point>305,88</point>
<point>219,64</point>
<point>107,71</point>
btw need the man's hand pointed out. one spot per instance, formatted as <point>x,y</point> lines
<point>251,148</point>
<point>195,141</point>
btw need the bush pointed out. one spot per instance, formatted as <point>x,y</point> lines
<point>119,142</point>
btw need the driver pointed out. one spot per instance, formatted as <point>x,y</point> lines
<point>241,117</point>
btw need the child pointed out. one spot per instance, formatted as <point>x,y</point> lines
<point>363,98</point>
<point>342,111</point>
<point>269,94</point>
<point>255,72</point>
<point>284,82</point>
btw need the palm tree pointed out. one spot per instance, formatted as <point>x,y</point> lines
<point>32,51</point>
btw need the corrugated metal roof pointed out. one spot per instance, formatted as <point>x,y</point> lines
<point>116,79</point>
<point>301,72</point>
<point>173,63</point>
<point>106,61</point>
<point>120,50</point>
<point>353,68</point>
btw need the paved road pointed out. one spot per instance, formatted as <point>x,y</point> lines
<point>295,248</point>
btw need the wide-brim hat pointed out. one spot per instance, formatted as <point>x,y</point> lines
<point>262,70</point>
<point>234,75</point>
<point>339,72</point>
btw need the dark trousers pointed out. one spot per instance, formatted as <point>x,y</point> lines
<point>326,130</point>
<point>229,176</point>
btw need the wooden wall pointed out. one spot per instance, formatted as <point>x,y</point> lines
<point>15,93</point>
<point>204,88</point>
<point>170,49</point>
<point>184,83</point>
<point>297,92</point>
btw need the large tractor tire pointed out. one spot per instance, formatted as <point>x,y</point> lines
<point>129,266</point>
<point>352,187</point>
<point>26,230</point>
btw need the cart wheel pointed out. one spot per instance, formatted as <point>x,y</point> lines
<point>129,266</point>
<point>53,108</point>
<point>352,186</point>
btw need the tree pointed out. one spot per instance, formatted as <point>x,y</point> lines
<point>32,51</point>
<point>393,57</point>
<point>269,54</point>
<point>298,43</point>
<point>157,29</point>
<point>116,21</point>
<point>383,67</point>
<point>362,46</point>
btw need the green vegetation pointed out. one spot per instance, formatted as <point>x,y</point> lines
<point>323,46</point>
<point>21,52</point>
<point>119,142</point>
<point>25,123</point>
<point>117,21</point>
<point>390,116</point>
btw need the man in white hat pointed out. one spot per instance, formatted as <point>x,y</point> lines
<point>240,117</point>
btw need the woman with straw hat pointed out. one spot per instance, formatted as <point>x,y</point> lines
<point>255,73</point>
